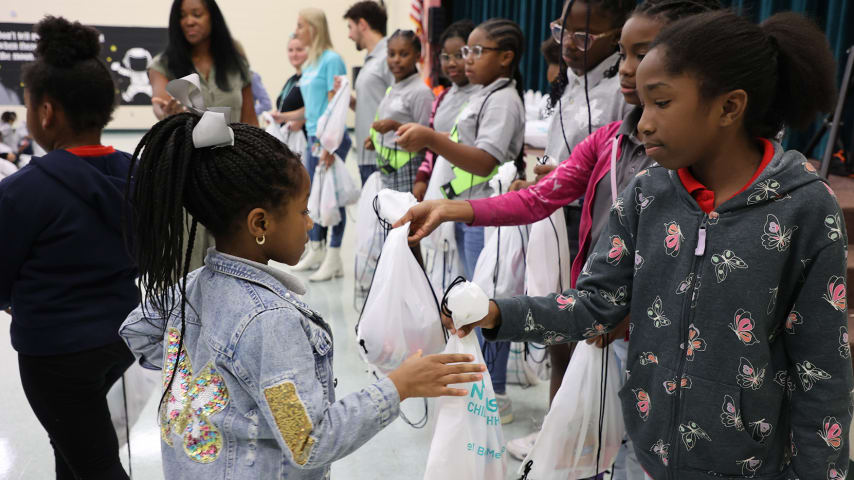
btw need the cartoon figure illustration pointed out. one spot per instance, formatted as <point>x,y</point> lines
<point>138,78</point>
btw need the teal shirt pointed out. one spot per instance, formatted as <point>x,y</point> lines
<point>318,79</point>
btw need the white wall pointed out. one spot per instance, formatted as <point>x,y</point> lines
<point>262,26</point>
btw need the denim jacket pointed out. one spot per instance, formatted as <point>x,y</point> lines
<point>254,392</point>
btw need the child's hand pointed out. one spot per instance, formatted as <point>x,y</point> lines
<point>430,376</point>
<point>369,144</point>
<point>326,159</point>
<point>542,170</point>
<point>491,320</point>
<point>520,185</point>
<point>419,190</point>
<point>385,126</point>
<point>413,137</point>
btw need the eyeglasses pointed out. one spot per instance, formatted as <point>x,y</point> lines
<point>445,58</point>
<point>477,50</point>
<point>581,40</point>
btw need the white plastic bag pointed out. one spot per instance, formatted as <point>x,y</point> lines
<point>273,127</point>
<point>442,174</point>
<point>567,446</point>
<point>401,313</point>
<point>322,203</point>
<point>141,384</point>
<point>332,125</point>
<point>500,268</point>
<point>439,249</point>
<point>346,190</point>
<point>295,140</point>
<point>332,189</point>
<point>369,239</point>
<point>468,442</point>
<point>443,265</point>
<point>528,364</point>
<point>548,261</point>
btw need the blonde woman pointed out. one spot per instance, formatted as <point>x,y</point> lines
<point>317,87</point>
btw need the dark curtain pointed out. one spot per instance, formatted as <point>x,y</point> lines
<point>835,17</point>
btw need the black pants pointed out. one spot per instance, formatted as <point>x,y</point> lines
<point>68,394</point>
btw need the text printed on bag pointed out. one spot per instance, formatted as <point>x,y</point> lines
<point>487,409</point>
<point>485,451</point>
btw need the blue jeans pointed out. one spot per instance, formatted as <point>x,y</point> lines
<point>469,245</point>
<point>366,171</point>
<point>318,233</point>
<point>495,354</point>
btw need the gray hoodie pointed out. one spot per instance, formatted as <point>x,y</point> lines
<point>739,365</point>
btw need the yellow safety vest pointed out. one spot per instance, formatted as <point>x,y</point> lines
<point>389,160</point>
<point>463,180</point>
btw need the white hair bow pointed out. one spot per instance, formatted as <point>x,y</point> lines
<point>212,130</point>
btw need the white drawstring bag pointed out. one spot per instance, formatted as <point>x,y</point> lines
<point>439,249</point>
<point>273,127</point>
<point>468,442</point>
<point>369,240</point>
<point>332,125</point>
<point>568,444</point>
<point>548,259</point>
<point>401,313</point>
<point>500,268</point>
<point>528,364</point>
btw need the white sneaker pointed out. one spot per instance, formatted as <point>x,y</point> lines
<point>332,267</point>
<point>505,408</point>
<point>519,448</point>
<point>313,259</point>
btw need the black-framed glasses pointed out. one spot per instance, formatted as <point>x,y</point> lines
<point>446,57</point>
<point>581,40</point>
<point>477,50</point>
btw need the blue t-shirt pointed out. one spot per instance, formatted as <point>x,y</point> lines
<point>317,80</point>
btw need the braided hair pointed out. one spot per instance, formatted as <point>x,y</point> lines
<point>508,36</point>
<point>175,184</point>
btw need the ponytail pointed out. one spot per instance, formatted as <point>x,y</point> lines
<point>806,70</point>
<point>785,65</point>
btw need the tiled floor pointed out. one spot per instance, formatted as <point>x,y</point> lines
<point>398,452</point>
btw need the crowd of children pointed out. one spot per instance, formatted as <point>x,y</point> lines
<point>702,250</point>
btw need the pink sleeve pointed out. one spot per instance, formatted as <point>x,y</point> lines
<point>562,186</point>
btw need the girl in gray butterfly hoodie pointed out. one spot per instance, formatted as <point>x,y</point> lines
<point>731,260</point>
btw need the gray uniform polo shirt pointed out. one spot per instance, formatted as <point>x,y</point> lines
<point>607,105</point>
<point>371,84</point>
<point>452,104</point>
<point>500,129</point>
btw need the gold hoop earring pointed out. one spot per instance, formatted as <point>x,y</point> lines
<point>261,240</point>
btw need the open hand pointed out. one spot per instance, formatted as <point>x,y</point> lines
<point>430,376</point>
